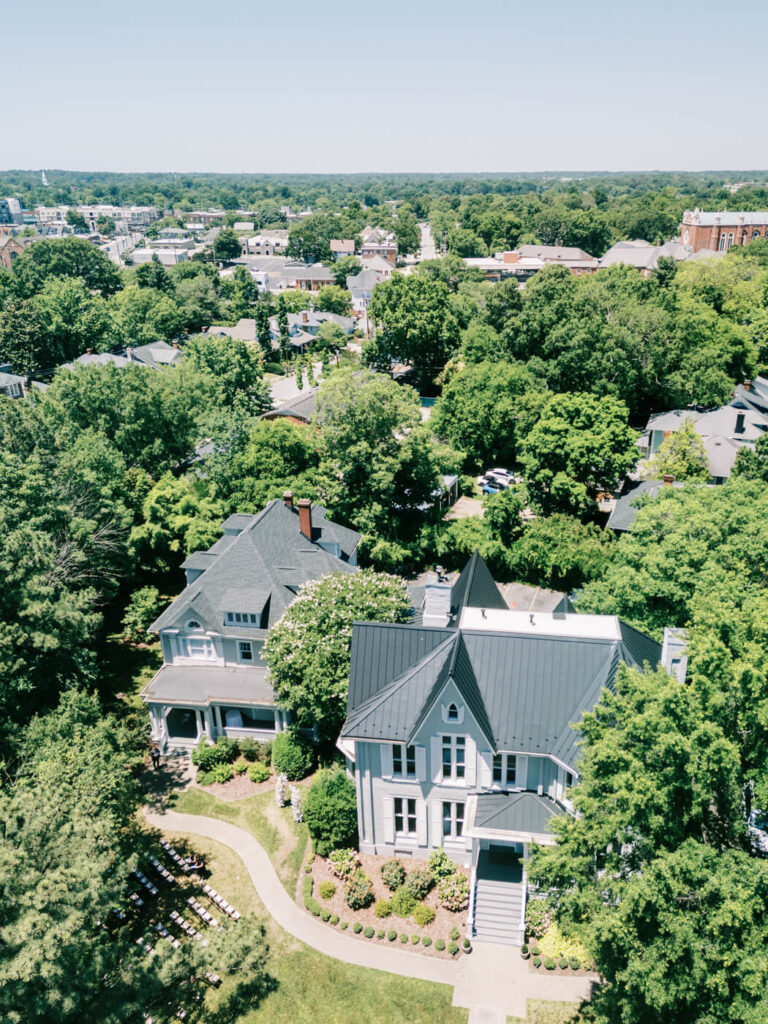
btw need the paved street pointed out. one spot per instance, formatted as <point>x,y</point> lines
<point>427,250</point>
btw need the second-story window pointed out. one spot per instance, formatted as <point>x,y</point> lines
<point>404,761</point>
<point>454,758</point>
<point>405,817</point>
<point>505,770</point>
<point>244,650</point>
<point>453,820</point>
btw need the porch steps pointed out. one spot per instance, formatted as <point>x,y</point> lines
<point>497,912</point>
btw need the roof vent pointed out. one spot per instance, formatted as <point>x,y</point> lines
<point>531,619</point>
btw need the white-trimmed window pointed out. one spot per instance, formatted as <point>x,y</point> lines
<point>403,761</point>
<point>193,624</point>
<point>453,713</point>
<point>505,770</point>
<point>242,619</point>
<point>453,820</point>
<point>199,647</point>
<point>405,816</point>
<point>244,650</point>
<point>454,758</point>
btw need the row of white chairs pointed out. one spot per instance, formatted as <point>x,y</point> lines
<point>214,979</point>
<point>186,927</point>
<point>200,910</point>
<point>164,933</point>
<point>151,889</point>
<point>161,870</point>
<point>175,857</point>
<point>136,900</point>
<point>145,945</point>
<point>221,902</point>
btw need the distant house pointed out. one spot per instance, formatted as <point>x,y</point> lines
<point>11,384</point>
<point>342,247</point>
<point>625,509</point>
<point>299,410</point>
<point>645,257</point>
<point>267,243</point>
<point>167,255</point>
<point>527,260</point>
<point>155,354</point>
<point>377,242</point>
<point>724,431</point>
<point>360,287</point>
<point>459,732</point>
<point>213,681</point>
<point>722,229</point>
<point>382,268</point>
<point>11,247</point>
<point>89,358</point>
<point>311,278</point>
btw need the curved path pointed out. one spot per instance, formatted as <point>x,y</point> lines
<point>493,981</point>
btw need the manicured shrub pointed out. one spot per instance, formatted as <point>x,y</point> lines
<point>357,927</point>
<point>455,934</point>
<point>275,368</point>
<point>343,863</point>
<point>415,940</point>
<point>380,933</point>
<point>524,949</point>
<point>536,917</point>
<point>537,961</point>
<point>219,773</point>
<point>466,944</point>
<point>313,906</point>
<point>423,915</point>
<point>250,749</point>
<point>391,935</point>
<point>426,940</point>
<point>562,963</point>
<point>402,903</point>
<point>535,951</point>
<point>265,752</point>
<point>306,887</point>
<point>258,772</point>
<point>344,925</point>
<point>240,766</point>
<point>419,883</point>
<point>453,948</point>
<point>334,918</point>
<point>140,612</point>
<point>453,892</point>
<point>207,755</point>
<point>403,938</point>
<point>393,873</point>
<point>440,864</point>
<point>308,869</point>
<point>358,891</point>
<point>382,908</point>
<point>439,944</point>
<point>368,932</point>
<point>574,963</point>
<point>549,963</point>
<point>325,915</point>
<point>292,755</point>
<point>326,890</point>
<point>330,810</point>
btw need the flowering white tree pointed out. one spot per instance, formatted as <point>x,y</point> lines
<point>296,804</point>
<point>308,649</point>
<point>280,785</point>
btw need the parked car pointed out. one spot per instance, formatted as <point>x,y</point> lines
<point>500,472</point>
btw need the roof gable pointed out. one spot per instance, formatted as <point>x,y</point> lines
<point>475,587</point>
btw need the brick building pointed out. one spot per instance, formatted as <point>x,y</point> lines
<point>722,229</point>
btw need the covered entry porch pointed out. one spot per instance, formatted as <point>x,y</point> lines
<point>502,825</point>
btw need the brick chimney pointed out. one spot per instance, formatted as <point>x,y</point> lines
<point>668,479</point>
<point>175,344</point>
<point>288,498</point>
<point>305,517</point>
<point>304,316</point>
<point>747,385</point>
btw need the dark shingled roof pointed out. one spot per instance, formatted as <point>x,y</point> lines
<point>261,568</point>
<point>525,691</point>
<point>515,812</point>
<point>625,510</point>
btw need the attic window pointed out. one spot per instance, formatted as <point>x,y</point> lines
<point>453,714</point>
<point>242,619</point>
<point>193,624</point>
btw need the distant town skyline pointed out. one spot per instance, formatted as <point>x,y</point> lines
<point>418,87</point>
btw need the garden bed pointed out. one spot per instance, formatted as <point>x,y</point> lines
<point>238,788</point>
<point>445,923</point>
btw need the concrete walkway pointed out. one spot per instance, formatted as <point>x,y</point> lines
<point>493,981</point>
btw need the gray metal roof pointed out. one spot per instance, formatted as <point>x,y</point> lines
<point>475,587</point>
<point>730,218</point>
<point>524,691</point>
<point>515,812</point>
<point>270,556</point>
<point>301,408</point>
<point>205,684</point>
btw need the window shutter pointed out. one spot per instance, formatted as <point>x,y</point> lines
<point>471,755</point>
<point>521,778</point>
<point>421,822</point>
<point>389,819</point>
<point>386,760</point>
<point>437,763</point>
<point>436,839</point>
<point>486,769</point>
<point>421,764</point>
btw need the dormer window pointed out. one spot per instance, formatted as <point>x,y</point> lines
<point>453,713</point>
<point>242,619</point>
<point>193,624</point>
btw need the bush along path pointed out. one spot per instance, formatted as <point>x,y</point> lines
<point>493,977</point>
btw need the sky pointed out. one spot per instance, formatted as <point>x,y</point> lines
<point>425,85</point>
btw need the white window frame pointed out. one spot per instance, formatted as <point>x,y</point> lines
<point>245,651</point>
<point>406,815</point>
<point>454,744</point>
<point>503,762</point>
<point>454,820</point>
<point>446,710</point>
<point>404,754</point>
<point>199,648</point>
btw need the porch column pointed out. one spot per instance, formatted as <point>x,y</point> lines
<point>219,725</point>
<point>208,722</point>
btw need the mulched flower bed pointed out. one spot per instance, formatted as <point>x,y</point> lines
<point>445,920</point>
<point>237,788</point>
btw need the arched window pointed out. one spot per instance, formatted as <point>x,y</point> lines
<point>755,234</point>
<point>453,713</point>
<point>193,624</point>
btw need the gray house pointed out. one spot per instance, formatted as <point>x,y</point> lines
<point>213,681</point>
<point>459,732</point>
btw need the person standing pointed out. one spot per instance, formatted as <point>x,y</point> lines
<point>155,755</point>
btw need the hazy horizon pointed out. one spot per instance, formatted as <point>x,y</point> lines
<point>426,87</point>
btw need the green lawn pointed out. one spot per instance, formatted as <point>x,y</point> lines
<point>546,1011</point>
<point>312,988</point>
<point>249,814</point>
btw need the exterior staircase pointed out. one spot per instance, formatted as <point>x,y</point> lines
<point>498,908</point>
